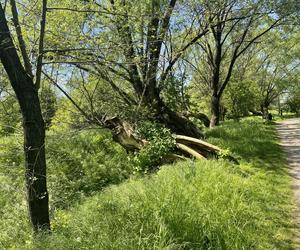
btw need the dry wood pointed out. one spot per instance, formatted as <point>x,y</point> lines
<point>190,140</point>
<point>189,151</point>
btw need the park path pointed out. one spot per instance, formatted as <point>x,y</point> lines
<point>289,132</point>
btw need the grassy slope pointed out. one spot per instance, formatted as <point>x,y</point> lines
<point>192,205</point>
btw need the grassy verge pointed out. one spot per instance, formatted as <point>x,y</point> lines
<point>190,205</point>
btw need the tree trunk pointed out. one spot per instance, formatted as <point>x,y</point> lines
<point>265,111</point>
<point>173,120</point>
<point>178,124</point>
<point>33,126</point>
<point>35,163</point>
<point>215,112</point>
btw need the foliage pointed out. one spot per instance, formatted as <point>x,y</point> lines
<point>174,93</point>
<point>161,142</point>
<point>293,102</point>
<point>275,67</point>
<point>48,104</point>
<point>10,115</point>
<point>239,98</point>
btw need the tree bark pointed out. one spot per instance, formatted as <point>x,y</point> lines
<point>33,127</point>
<point>215,111</point>
<point>265,111</point>
<point>176,122</point>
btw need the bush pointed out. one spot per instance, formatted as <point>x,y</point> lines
<point>161,142</point>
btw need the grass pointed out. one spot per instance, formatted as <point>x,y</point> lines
<point>190,205</point>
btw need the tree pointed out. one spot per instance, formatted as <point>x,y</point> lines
<point>293,101</point>
<point>239,25</point>
<point>21,80</point>
<point>148,38</point>
<point>274,68</point>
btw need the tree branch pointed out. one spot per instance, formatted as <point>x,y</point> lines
<point>39,64</point>
<point>27,63</point>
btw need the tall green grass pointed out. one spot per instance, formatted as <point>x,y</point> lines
<point>191,205</point>
<point>203,205</point>
<point>79,164</point>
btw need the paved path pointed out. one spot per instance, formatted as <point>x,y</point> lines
<point>289,132</point>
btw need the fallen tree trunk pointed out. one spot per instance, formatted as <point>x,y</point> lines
<point>189,151</point>
<point>194,141</point>
<point>187,147</point>
<point>200,116</point>
<point>124,133</point>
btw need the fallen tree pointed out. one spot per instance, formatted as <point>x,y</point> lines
<point>186,147</point>
<point>127,136</point>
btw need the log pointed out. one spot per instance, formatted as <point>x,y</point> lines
<point>198,142</point>
<point>171,158</point>
<point>189,151</point>
<point>124,134</point>
<point>203,148</point>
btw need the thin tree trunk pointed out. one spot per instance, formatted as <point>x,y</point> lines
<point>39,64</point>
<point>215,112</point>
<point>33,126</point>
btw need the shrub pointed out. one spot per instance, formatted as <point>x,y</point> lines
<point>161,142</point>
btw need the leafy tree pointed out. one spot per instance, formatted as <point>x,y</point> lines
<point>240,25</point>
<point>239,98</point>
<point>149,39</point>
<point>274,69</point>
<point>293,100</point>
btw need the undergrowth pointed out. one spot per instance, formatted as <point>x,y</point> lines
<point>190,205</point>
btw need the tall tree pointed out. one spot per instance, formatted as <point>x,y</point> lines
<point>275,68</point>
<point>144,40</point>
<point>21,79</point>
<point>240,24</point>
